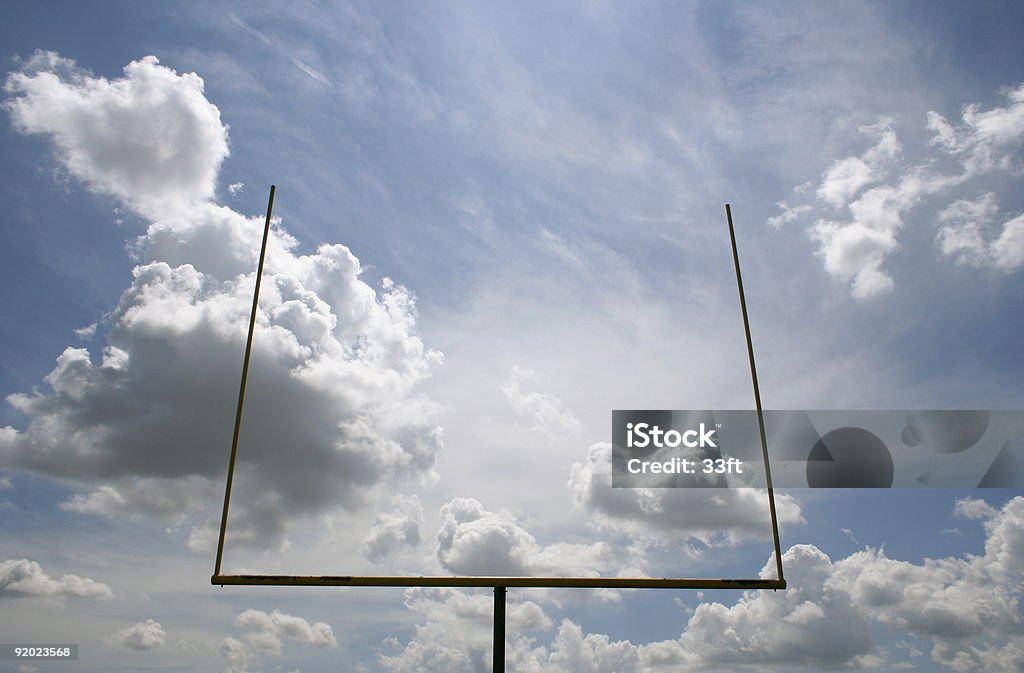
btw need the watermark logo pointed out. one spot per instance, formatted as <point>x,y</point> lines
<point>971,448</point>
<point>642,435</point>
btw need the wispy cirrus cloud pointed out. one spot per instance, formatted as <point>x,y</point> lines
<point>541,410</point>
<point>276,46</point>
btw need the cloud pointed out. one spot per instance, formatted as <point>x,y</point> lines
<point>571,650</point>
<point>332,409</point>
<point>87,332</point>
<point>789,214</point>
<point>394,531</point>
<point>24,578</point>
<point>161,499</point>
<point>236,188</point>
<point>966,235</point>
<point>145,635</point>
<point>983,140</point>
<point>150,136</point>
<point>962,237</point>
<point>797,626</point>
<point>247,27</point>
<point>265,632</point>
<point>474,541</point>
<point>310,71</point>
<point>455,632</point>
<point>663,516</point>
<point>278,48</point>
<point>543,411</point>
<point>1008,249</point>
<point>846,177</point>
<point>812,623</point>
<point>855,248</point>
<point>974,508</point>
<point>233,652</point>
<point>968,608</point>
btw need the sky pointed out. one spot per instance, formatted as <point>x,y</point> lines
<point>495,223</point>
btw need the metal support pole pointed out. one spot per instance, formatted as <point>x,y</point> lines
<point>757,396</point>
<point>499,629</point>
<point>241,386</point>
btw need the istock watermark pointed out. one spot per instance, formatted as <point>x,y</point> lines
<point>818,449</point>
<point>639,435</point>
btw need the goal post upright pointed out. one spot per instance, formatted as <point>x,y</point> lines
<point>241,385</point>
<point>757,396</point>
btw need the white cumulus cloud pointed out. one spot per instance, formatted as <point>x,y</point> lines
<point>983,139</point>
<point>847,176</point>
<point>454,635</point>
<point>394,531</point>
<point>149,137</point>
<point>967,608</point>
<point>145,635</point>
<point>856,249</point>
<point>232,651</point>
<point>475,541</point>
<point>332,409</point>
<point>968,234</point>
<point>21,577</point>
<point>266,631</point>
<point>811,623</point>
<point>873,194</point>
<point>665,516</point>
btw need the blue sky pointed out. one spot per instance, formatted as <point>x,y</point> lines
<point>497,223</point>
